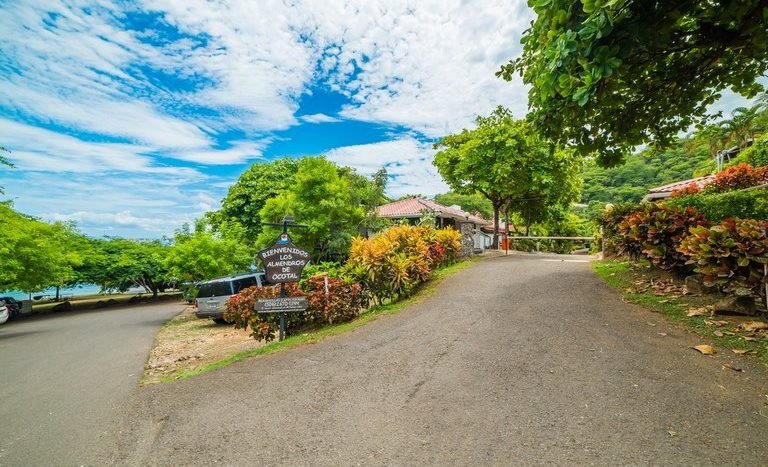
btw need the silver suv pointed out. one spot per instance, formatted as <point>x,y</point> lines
<point>212,295</point>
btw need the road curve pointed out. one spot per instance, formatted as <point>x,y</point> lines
<point>515,360</point>
<point>63,378</point>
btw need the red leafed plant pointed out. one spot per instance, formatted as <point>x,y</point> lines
<point>730,255</point>
<point>655,231</point>
<point>738,177</point>
<point>689,189</point>
<point>337,303</point>
<point>239,311</point>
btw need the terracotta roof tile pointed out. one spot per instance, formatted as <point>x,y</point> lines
<point>700,181</point>
<point>415,206</point>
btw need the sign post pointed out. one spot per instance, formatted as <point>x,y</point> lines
<point>283,263</point>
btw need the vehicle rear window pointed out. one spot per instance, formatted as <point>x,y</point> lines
<point>214,289</point>
<point>244,283</point>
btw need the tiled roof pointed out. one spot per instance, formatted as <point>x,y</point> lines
<point>415,206</point>
<point>701,182</point>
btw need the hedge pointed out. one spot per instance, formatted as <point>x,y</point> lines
<point>746,204</point>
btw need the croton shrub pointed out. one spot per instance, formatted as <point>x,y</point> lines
<point>737,177</point>
<point>388,265</point>
<point>338,302</point>
<point>394,262</point>
<point>609,219</point>
<point>731,254</point>
<point>655,231</point>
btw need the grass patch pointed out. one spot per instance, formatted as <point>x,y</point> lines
<point>623,275</point>
<point>426,290</point>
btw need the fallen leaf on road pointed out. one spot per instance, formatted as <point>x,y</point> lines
<point>731,367</point>
<point>651,324</point>
<point>710,322</point>
<point>672,434</point>
<point>750,339</point>
<point>705,349</point>
<point>719,333</point>
<point>662,334</point>
<point>740,351</point>
<point>754,326</point>
<point>698,312</point>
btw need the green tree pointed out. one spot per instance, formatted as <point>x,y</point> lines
<point>247,197</point>
<point>36,255</point>
<point>474,202</point>
<point>743,126</point>
<point>609,75</point>
<point>204,254</point>
<point>507,162</point>
<point>324,201</point>
<point>121,264</point>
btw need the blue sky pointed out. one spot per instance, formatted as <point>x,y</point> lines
<point>131,118</point>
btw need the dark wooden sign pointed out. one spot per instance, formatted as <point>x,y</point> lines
<point>284,261</point>
<point>281,305</point>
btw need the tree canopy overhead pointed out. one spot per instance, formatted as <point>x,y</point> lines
<point>609,75</point>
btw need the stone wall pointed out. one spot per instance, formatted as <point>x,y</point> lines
<point>467,239</point>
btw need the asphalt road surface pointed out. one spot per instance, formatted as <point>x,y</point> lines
<point>514,361</point>
<point>63,378</point>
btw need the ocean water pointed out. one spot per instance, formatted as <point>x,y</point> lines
<point>85,289</point>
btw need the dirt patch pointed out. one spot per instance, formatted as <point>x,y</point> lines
<point>187,342</point>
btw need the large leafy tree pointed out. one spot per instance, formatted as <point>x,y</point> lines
<point>119,264</point>
<point>608,75</point>
<point>36,255</point>
<point>204,254</point>
<point>247,197</point>
<point>322,199</point>
<point>510,165</point>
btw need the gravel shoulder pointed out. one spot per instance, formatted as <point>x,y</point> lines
<point>515,360</point>
<point>187,343</point>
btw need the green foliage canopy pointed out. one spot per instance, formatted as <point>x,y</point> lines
<point>247,197</point>
<point>119,264</point>
<point>203,254</point>
<point>324,200</point>
<point>609,75</point>
<point>36,255</point>
<point>507,162</point>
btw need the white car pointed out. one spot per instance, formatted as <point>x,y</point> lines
<point>5,313</point>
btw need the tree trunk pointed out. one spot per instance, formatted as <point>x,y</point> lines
<point>495,243</point>
<point>58,289</point>
<point>506,226</point>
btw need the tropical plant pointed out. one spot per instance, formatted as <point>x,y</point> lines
<point>655,231</point>
<point>394,262</point>
<point>730,255</point>
<point>742,204</point>
<point>737,177</point>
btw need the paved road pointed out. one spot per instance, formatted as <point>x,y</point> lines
<point>63,376</point>
<point>515,361</point>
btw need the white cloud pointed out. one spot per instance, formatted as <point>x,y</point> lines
<point>318,118</point>
<point>407,160</point>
